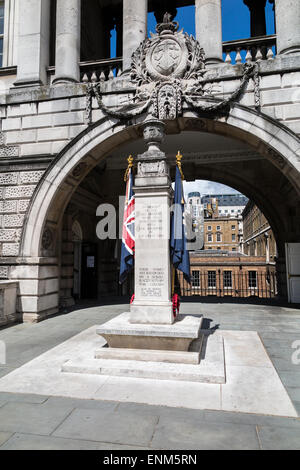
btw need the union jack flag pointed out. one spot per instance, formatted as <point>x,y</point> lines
<point>128,236</point>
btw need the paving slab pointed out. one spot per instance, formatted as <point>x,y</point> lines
<point>22,397</point>
<point>31,418</point>
<point>83,404</point>
<point>290,378</point>
<point>4,436</point>
<point>279,438</point>
<point>248,418</point>
<point>34,442</point>
<point>109,427</point>
<point>153,410</point>
<point>256,390</point>
<point>294,393</point>
<point>192,434</point>
<point>245,350</point>
<point>161,392</point>
<point>297,407</point>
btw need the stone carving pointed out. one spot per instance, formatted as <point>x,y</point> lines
<point>153,132</point>
<point>47,239</point>
<point>277,159</point>
<point>167,100</point>
<point>167,69</point>
<point>159,168</point>
<point>79,169</point>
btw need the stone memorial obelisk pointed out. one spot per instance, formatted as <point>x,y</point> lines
<point>153,195</point>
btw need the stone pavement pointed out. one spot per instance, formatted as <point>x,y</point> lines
<point>42,422</point>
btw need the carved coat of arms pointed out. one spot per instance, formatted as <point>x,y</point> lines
<point>167,69</point>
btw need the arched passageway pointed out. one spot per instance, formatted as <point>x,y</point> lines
<point>245,150</point>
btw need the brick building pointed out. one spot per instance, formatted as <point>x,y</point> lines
<point>222,234</point>
<point>223,273</point>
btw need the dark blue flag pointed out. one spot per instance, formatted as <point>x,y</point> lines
<point>179,254</point>
<point>128,237</point>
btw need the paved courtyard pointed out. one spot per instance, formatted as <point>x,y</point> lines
<point>47,422</point>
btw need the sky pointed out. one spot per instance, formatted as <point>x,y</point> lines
<point>235,21</point>
<point>207,187</point>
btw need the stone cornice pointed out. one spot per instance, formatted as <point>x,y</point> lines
<point>116,163</point>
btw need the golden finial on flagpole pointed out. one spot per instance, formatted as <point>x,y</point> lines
<point>178,163</point>
<point>130,165</point>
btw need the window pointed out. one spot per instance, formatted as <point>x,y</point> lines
<point>232,227</point>
<point>218,228</point>
<point>1,32</point>
<point>233,249</point>
<point>209,237</point>
<point>252,278</point>
<point>227,279</point>
<point>209,228</point>
<point>195,278</point>
<point>233,237</point>
<point>212,279</point>
<point>219,237</point>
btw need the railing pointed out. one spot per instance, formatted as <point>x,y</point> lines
<point>221,284</point>
<point>235,52</point>
<point>248,50</point>
<point>97,70</point>
<point>100,70</point>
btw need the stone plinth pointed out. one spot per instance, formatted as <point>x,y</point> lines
<point>210,370</point>
<point>147,355</point>
<point>121,333</point>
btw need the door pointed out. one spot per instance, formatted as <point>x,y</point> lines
<point>77,270</point>
<point>89,271</point>
<point>293,271</point>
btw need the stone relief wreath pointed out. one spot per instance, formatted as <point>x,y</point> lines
<point>167,69</point>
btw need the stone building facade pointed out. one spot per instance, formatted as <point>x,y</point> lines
<point>69,121</point>
<point>259,238</point>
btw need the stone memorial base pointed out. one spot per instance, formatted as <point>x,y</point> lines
<point>120,332</point>
<point>211,368</point>
<point>165,352</point>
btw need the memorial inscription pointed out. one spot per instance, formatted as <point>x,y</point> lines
<point>149,222</point>
<point>151,281</point>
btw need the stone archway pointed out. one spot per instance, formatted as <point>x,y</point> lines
<point>269,138</point>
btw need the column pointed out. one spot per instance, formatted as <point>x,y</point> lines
<point>33,44</point>
<point>68,18</point>
<point>257,17</point>
<point>134,28</point>
<point>152,303</point>
<point>287,14</point>
<point>209,29</point>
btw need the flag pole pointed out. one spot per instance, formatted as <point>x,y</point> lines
<point>130,165</point>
